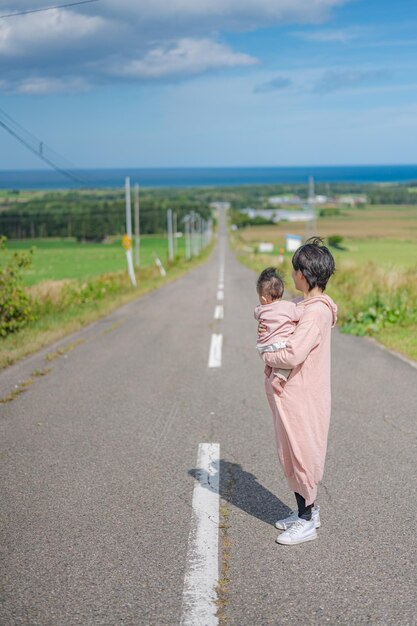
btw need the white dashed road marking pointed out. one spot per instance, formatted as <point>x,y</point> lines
<point>202,568</point>
<point>218,312</point>
<point>215,355</point>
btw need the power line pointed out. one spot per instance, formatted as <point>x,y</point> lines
<point>58,6</point>
<point>35,145</point>
<point>41,156</point>
<point>40,144</point>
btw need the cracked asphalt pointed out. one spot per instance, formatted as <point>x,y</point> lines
<point>97,461</point>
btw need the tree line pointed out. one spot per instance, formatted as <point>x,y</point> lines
<point>88,216</point>
<point>92,215</point>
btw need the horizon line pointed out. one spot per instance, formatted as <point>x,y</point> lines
<point>213,167</point>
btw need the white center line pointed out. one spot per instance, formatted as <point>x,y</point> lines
<point>220,285</point>
<point>202,568</point>
<point>218,312</point>
<point>215,355</point>
<point>220,294</point>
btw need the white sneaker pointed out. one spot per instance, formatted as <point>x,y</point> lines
<point>300,531</point>
<point>284,524</point>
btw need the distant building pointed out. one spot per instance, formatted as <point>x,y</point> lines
<point>220,206</point>
<point>285,200</point>
<point>292,242</point>
<point>318,199</point>
<point>265,247</point>
<point>280,215</point>
<point>267,214</point>
<point>350,200</point>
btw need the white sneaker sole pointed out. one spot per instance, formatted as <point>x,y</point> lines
<point>293,543</point>
<point>279,526</point>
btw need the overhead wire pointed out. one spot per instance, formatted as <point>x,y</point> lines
<point>35,139</point>
<point>50,8</point>
<point>17,131</point>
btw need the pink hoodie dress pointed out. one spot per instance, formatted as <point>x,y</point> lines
<point>302,412</point>
<point>279,319</point>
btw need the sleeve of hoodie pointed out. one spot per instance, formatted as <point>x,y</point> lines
<point>305,337</point>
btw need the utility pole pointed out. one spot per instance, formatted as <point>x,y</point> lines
<point>127,239</point>
<point>175,235</point>
<point>170,243</point>
<point>311,193</point>
<point>187,220</point>
<point>197,233</point>
<point>311,223</point>
<point>137,228</point>
<point>192,235</point>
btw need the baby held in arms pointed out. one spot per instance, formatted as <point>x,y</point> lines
<point>278,317</point>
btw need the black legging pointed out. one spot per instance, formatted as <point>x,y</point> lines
<point>305,512</point>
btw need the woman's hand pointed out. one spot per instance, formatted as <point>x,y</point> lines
<point>261,329</point>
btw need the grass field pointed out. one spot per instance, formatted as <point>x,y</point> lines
<point>389,253</point>
<point>59,259</point>
<point>384,235</point>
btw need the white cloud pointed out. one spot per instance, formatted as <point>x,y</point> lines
<point>331,36</point>
<point>48,30</point>
<point>132,40</point>
<point>39,86</point>
<point>225,13</point>
<point>184,57</point>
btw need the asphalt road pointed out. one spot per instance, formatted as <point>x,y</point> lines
<point>97,478</point>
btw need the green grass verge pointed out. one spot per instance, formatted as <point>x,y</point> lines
<point>55,321</point>
<point>60,259</point>
<point>402,340</point>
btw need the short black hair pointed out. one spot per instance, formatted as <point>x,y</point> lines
<point>271,282</point>
<point>315,261</point>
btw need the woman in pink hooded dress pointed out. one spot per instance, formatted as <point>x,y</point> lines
<point>302,411</point>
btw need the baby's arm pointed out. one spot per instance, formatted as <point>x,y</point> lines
<point>305,337</point>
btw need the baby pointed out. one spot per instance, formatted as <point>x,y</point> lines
<point>278,316</point>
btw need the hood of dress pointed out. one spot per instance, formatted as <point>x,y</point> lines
<point>326,300</point>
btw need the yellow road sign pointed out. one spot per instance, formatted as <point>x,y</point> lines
<point>127,242</point>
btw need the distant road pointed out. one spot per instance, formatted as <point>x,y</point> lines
<point>99,468</point>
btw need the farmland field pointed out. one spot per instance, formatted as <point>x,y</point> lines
<point>385,235</point>
<point>59,259</point>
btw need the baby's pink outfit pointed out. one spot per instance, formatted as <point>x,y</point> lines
<point>280,318</point>
<point>302,411</point>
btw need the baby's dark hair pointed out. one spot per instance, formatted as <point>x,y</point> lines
<point>270,282</point>
<point>315,261</point>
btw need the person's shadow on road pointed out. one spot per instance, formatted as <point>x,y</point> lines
<point>243,490</point>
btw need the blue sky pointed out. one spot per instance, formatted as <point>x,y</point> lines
<point>172,83</point>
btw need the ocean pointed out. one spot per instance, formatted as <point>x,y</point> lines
<point>206,176</point>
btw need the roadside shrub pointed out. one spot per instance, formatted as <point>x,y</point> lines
<point>66,295</point>
<point>376,317</point>
<point>329,211</point>
<point>371,297</point>
<point>15,305</point>
<point>335,241</point>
